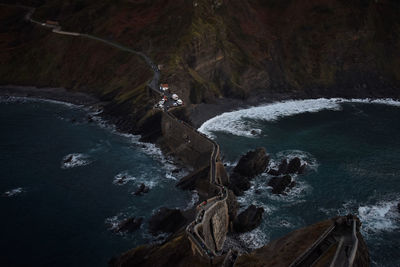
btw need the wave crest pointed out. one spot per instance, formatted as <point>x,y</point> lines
<point>235,122</point>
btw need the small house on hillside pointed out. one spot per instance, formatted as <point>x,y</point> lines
<point>164,87</point>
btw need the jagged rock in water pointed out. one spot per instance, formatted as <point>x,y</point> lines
<point>249,166</point>
<point>129,225</point>
<point>176,170</point>
<point>238,184</point>
<point>142,189</point>
<point>273,172</point>
<point>166,220</point>
<point>68,159</point>
<point>293,166</point>
<point>282,168</point>
<point>253,163</point>
<point>279,184</point>
<point>248,219</point>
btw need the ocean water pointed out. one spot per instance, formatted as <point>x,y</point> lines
<point>352,148</point>
<point>55,214</point>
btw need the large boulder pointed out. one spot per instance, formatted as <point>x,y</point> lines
<point>293,166</point>
<point>253,163</point>
<point>279,184</point>
<point>248,219</point>
<point>282,168</point>
<point>129,225</point>
<point>238,184</point>
<point>166,220</point>
<point>273,172</point>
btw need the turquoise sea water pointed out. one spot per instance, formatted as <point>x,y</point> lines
<point>54,214</point>
<point>353,151</point>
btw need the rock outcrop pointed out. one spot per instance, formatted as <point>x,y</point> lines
<point>239,184</point>
<point>250,165</point>
<point>279,184</point>
<point>166,220</point>
<point>248,219</point>
<point>294,166</point>
<point>142,189</point>
<point>129,225</point>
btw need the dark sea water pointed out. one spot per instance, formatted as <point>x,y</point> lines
<point>353,152</point>
<point>60,215</point>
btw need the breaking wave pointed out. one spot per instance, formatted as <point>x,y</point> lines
<point>382,216</point>
<point>255,238</point>
<point>13,192</point>
<point>235,122</point>
<point>75,160</point>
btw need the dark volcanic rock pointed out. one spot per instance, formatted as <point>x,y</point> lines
<point>166,220</point>
<point>273,172</point>
<point>176,170</point>
<point>398,207</point>
<point>68,159</point>
<point>279,184</point>
<point>129,225</point>
<point>283,167</point>
<point>248,219</point>
<point>239,184</point>
<point>253,163</point>
<point>293,166</point>
<point>142,189</point>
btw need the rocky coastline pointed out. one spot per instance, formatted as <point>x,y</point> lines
<point>173,221</point>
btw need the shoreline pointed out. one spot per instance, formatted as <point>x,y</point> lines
<point>49,93</point>
<point>83,100</point>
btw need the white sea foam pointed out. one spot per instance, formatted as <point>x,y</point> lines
<point>113,222</point>
<point>255,238</point>
<point>20,99</point>
<point>305,158</point>
<point>235,122</point>
<point>123,178</point>
<point>382,216</point>
<point>75,160</point>
<point>193,201</point>
<point>13,192</point>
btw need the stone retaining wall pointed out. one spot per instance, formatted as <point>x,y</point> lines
<point>186,144</point>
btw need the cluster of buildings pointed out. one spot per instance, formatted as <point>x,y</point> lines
<point>168,100</point>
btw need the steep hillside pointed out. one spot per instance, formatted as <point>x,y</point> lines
<point>209,49</point>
